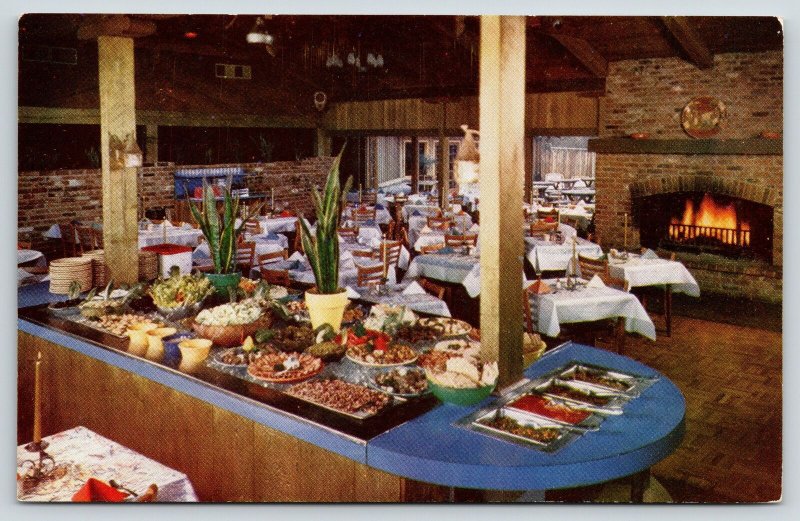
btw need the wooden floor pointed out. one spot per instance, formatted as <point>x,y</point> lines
<point>731,378</point>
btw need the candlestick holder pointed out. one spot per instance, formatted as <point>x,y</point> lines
<point>37,469</point>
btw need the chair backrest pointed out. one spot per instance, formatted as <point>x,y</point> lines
<point>434,289</point>
<point>252,227</point>
<point>539,227</point>
<point>431,248</point>
<point>571,221</point>
<point>391,231</point>
<point>591,267</point>
<point>69,247</point>
<point>369,275</point>
<point>453,240</point>
<point>276,277</point>
<point>274,256</point>
<point>246,254</point>
<point>544,214</point>
<point>364,254</point>
<point>402,236</point>
<point>527,310</point>
<point>348,232</point>
<point>392,251</point>
<point>439,223</point>
<point>85,238</point>
<point>369,198</point>
<point>362,215</point>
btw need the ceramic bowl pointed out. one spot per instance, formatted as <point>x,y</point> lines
<point>466,396</point>
<point>231,336</point>
<point>193,352</point>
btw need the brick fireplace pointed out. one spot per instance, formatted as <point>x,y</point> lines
<point>651,179</point>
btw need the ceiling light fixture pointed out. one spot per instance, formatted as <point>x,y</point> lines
<point>259,34</point>
<point>468,158</point>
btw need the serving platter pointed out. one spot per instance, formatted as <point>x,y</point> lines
<point>375,365</point>
<point>483,424</point>
<point>449,326</point>
<point>372,382</point>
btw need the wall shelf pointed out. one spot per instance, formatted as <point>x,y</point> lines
<point>746,147</point>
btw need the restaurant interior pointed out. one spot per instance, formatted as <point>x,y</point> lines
<point>250,270</point>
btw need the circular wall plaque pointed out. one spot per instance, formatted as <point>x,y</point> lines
<point>702,116</point>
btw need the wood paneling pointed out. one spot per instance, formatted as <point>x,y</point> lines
<point>551,111</point>
<point>227,457</point>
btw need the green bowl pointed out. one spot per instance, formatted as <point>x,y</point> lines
<point>469,396</point>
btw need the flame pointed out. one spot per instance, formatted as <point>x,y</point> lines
<point>711,219</point>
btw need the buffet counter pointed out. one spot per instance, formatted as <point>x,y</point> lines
<point>239,442</point>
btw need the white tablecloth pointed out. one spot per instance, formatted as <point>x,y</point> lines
<point>346,253</point>
<point>547,256</point>
<point>566,230</point>
<point>382,215</point>
<point>450,267</point>
<point>26,256</point>
<point>184,237</point>
<point>275,238</point>
<point>639,272</point>
<point>277,224</point>
<point>424,210</point>
<point>86,454</point>
<point>579,213</point>
<point>587,305</point>
<point>462,222</point>
<point>421,302</point>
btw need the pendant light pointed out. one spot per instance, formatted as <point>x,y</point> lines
<point>467,159</point>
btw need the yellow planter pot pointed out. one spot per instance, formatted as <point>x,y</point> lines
<point>326,309</point>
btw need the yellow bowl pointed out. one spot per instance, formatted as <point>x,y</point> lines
<point>137,333</point>
<point>155,344</point>
<point>194,351</point>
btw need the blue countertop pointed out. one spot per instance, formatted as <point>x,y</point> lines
<point>431,447</point>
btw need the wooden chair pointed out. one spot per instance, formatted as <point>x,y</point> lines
<point>349,233</point>
<point>470,239</point>
<point>540,227</point>
<point>434,289</point>
<point>453,240</point>
<point>276,277</point>
<point>391,232</point>
<point>298,237</point>
<point>245,256</point>
<point>439,223</point>
<point>527,310</point>
<point>369,275</point>
<point>431,248</point>
<point>362,215</point>
<point>364,254</point>
<point>547,214</point>
<point>571,221</point>
<point>266,258</point>
<point>252,227</point>
<point>369,198</point>
<point>69,246</point>
<point>402,236</point>
<point>85,239</point>
<point>590,267</point>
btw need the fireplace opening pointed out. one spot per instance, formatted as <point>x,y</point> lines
<point>703,222</point>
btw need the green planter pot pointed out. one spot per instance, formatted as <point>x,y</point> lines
<point>223,281</point>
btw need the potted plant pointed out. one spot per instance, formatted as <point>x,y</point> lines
<point>326,301</point>
<point>222,235</point>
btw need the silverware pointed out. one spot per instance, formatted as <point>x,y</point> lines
<point>117,486</point>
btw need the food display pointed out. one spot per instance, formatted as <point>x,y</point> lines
<point>328,351</point>
<point>381,354</point>
<point>417,332</point>
<point>118,324</point>
<point>459,347</point>
<point>388,319</point>
<point>230,314</point>
<point>435,360</point>
<point>446,326</point>
<point>520,427</point>
<point>541,406</point>
<point>353,314</point>
<point>402,381</point>
<point>576,395</point>
<point>108,301</point>
<point>180,291</point>
<point>599,377</point>
<point>292,338</point>
<point>284,367</point>
<point>464,373</point>
<point>341,396</point>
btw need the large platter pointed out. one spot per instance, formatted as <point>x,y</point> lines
<point>563,437</point>
<point>372,382</point>
<point>290,379</point>
<point>359,414</point>
<point>368,364</point>
<point>449,326</point>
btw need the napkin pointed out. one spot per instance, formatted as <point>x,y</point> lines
<point>649,254</point>
<point>375,242</point>
<point>579,184</point>
<point>296,256</point>
<point>581,203</point>
<point>416,213</point>
<point>186,226</point>
<point>539,287</point>
<point>97,491</point>
<point>596,282</point>
<point>413,289</point>
<point>351,293</point>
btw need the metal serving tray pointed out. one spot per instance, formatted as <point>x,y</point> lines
<point>633,384</point>
<point>565,435</point>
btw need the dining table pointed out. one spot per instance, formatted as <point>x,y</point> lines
<point>553,255</point>
<point>382,215</point>
<point>30,258</point>
<point>408,294</point>
<point>586,194</point>
<point>584,303</point>
<point>418,223</point>
<point>80,453</point>
<point>638,271</point>
<point>277,224</point>
<point>579,214</point>
<point>155,234</point>
<point>448,266</point>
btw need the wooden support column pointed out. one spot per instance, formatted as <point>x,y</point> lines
<point>151,144</point>
<point>323,143</point>
<point>415,161</point>
<point>443,163</point>
<point>502,128</point>
<point>374,142</point>
<point>118,117</point>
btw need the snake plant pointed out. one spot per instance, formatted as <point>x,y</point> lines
<point>322,249</point>
<point>221,234</point>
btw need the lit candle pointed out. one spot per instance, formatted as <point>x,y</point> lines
<point>37,400</point>
<point>625,243</point>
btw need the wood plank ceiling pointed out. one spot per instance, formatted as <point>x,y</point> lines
<point>423,56</point>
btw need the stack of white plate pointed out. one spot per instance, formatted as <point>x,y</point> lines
<point>64,271</point>
<point>99,268</point>
<point>148,265</point>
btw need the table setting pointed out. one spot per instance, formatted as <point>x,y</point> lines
<point>648,269</point>
<point>409,294</point>
<point>547,254</point>
<point>448,265</point>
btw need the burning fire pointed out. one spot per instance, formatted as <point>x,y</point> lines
<point>710,219</point>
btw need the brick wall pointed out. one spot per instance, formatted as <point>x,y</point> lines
<point>648,96</point>
<point>49,197</point>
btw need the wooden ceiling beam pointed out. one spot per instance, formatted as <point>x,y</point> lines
<point>689,41</point>
<point>584,53</point>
